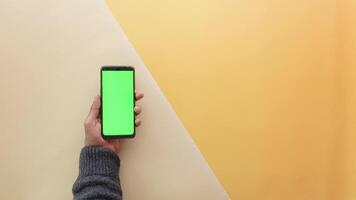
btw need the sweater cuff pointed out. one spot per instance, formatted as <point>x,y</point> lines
<point>98,161</point>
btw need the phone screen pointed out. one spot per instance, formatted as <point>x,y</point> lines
<point>117,96</point>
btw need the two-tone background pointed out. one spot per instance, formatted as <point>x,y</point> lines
<point>265,88</point>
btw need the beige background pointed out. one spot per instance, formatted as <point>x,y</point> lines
<point>51,52</point>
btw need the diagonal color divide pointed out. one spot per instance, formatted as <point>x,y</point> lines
<point>266,88</point>
<point>52,51</point>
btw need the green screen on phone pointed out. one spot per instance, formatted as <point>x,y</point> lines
<point>118,117</point>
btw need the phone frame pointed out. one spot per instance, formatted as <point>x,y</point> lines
<point>116,68</point>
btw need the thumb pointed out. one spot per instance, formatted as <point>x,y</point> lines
<point>95,108</point>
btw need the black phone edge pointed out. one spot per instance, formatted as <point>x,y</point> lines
<point>113,68</point>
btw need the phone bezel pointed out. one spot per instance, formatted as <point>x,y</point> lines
<point>116,68</point>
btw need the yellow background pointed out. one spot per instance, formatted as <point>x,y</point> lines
<point>267,89</point>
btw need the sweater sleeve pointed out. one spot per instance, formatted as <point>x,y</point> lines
<point>98,175</point>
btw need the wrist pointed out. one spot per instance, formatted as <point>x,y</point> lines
<point>110,147</point>
<point>100,143</point>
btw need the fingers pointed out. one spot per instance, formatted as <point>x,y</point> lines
<point>138,95</point>
<point>137,110</point>
<point>137,122</point>
<point>95,109</point>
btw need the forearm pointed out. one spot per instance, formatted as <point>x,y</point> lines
<point>98,175</point>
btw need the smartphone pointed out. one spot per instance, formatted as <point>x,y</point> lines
<point>117,101</point>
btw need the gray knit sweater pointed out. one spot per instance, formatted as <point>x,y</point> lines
<point>98,175</point>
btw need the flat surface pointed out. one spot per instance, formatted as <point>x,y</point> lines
<point>263,87</point>
<point>51,53</point>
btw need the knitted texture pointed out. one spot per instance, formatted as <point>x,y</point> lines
<point>98,175</point>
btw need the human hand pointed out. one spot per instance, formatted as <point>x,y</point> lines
<point>92,126</point>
